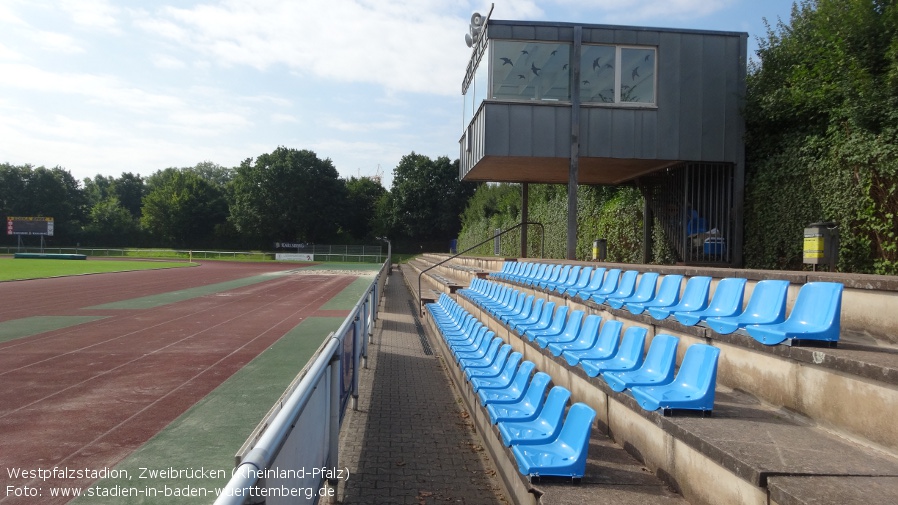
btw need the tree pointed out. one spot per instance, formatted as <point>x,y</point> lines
<point>428,198</point>
<point>288,195</point>
<point>362,196</point>
<point>50,192</point>
<point>111,224</point>
<point>822,135</point>
<point>182,209</point>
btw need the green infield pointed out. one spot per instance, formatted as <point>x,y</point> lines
<point>21,268</point>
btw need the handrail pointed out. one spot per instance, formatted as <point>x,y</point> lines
<point>263,450</point>
<point>542,252</point>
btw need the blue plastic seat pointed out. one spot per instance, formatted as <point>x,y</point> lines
<point>693,387</point>
<point>554,327</point>
<point>540,320</point>
<point>480,337</point>
<point>490,364</point>
<point>541,429</point>
<point>550,274</point>
<point>511,393</point>
<point>727,301</point>
<point>816,316</point>
<point>625,287</point>
<point>515,306</point>
<point>586,337</point>
<point>558,276</point>
<point>531,271</point>
<point>523,406</point>
<point>489,346</point>
<point>644,292</point>
<point>668,295</point>
<point>629,354</point>
<point>484,378</point>
<point>767,305</point>
<point>612,279</point>
<point>523,310</point>
<point>603,348</point>
<point>695,297</point>
<point>562,284</point>
<point>566,455</point>
<point>523,317</point>
<point>581,282</point>
<point>567,334</point>
<point>595,283</point>
<point>657,368</point>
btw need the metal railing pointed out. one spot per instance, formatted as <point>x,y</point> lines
<point>302,430</point>
<point>343,254</point>
<point>542,250</point>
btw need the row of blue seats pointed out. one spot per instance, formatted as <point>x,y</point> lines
<point>598,348</point>
<point>532,423</point>
<point>816,314</point>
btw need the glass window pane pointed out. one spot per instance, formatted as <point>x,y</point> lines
<point>530,71</point>
<point>597,74</point>
<point>637,75</point>
<point>480,85</point>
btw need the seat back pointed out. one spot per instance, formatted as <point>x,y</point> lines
<point>611,280</point>
<point>590,330</point>
<point>583,279</point>
<point>695,295</point>
<point>532,316</point>
<point>647,284</point>
<point>661,357</point>
<point>728,296</point>
<point>819,304</point>
<point>559,319</point>
<point>768,301</point>
<point>556,402</point>
<point>575,433</point>
<point>631,346</point>
<point>643,292</point>
<point>536,390</point>
<point>698,372</point>
<point>627,284</point>
<point>546,315</point>
<point>597,279</point>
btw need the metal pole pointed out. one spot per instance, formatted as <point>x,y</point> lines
<point>574,172</point>
<point>525,216</point>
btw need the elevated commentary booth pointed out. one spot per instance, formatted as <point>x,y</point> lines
<point>548,102</point>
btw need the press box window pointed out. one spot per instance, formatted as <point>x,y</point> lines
<point>617,75</point>
<point>530,70</point>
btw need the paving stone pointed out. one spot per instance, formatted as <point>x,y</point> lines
<point>408,442</point>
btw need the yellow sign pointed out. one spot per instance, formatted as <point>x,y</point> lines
<point>813,247</point>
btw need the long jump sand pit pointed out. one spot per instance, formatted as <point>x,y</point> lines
<point>92,367</point>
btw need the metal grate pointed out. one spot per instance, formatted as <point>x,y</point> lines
<point>694,204</point>
<point>425,344</point>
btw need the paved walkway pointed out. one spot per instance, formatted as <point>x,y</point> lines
<point>410,442</point>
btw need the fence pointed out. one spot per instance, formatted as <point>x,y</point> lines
<point>295,448</point>
<point>322,253</point>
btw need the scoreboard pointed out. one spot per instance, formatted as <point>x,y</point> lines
<point>29,226</point>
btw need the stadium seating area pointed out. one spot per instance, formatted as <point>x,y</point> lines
<point>766,354</point>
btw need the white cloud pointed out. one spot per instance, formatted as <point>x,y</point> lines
<point>94,14</point>
<point>403,45</point>
<point>350,126</point>
<point>55,42</point>
<point>167,62</point>
<point>615,11</point>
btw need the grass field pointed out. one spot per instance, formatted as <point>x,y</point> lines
<point>20,269</point>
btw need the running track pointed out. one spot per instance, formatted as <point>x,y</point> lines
<point>86,396</point>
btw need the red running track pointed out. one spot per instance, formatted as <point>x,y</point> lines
<point>88,395</point>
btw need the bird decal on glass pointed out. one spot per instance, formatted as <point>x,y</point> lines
<point>525,52</point>
<point>635,73</point>
<point>595,63</point>
<point>521,76</point>
<point>554,52</point>
<point>534,69</point>
<point>586,82</point>
<point>609,65</point>
<point>506,61</point>
<point>564,67</point>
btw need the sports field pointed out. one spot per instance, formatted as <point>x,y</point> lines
<point>20,269</point>
<point>155,377</point>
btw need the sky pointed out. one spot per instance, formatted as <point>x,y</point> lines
<point>102,87</point>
